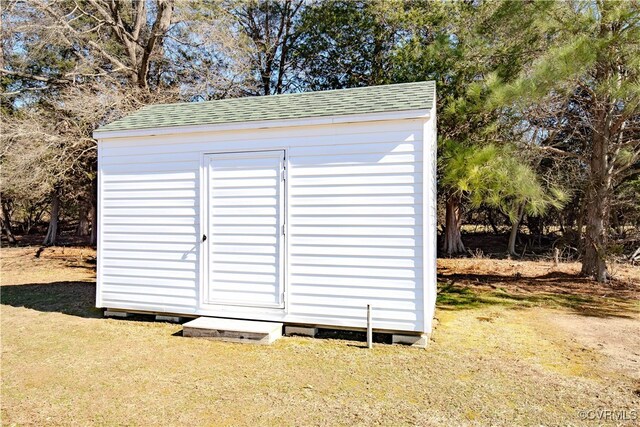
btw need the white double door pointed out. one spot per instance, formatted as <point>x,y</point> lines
<point>245,228</point>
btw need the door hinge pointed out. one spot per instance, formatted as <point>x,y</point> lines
<point>284,174</point>
<point>284,229</point>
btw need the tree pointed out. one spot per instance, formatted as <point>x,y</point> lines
<point>464,46</point>
<point>7,229</point>
<point>52,231</point>
<point>498,178</point>
<point>559,81</point>
<point>270,27</point>
<point>349,43</point>
<point>594,68</point>
<point>67,67</point>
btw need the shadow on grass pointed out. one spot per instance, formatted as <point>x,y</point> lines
<point>347,335</point>
<point>78,298</point>
<point>74,298</point>
<point>486,290</point>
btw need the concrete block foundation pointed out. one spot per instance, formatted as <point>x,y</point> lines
<point>120,314</point>
<point>170,319</point>
<point>419,341</point>
<point>300,331</point>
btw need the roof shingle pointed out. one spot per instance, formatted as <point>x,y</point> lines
<point>373,99</point>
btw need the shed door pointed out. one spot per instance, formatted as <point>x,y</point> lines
<point>245,214</point>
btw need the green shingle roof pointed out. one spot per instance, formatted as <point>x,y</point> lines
<point>373,99</point>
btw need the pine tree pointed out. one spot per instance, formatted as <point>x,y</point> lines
<point>499,178</point>
<point>461,45</point>
<point>593,66</point>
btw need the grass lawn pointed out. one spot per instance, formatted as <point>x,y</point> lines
<point>517,343</point>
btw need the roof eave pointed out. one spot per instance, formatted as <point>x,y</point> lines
<point>262,124</point>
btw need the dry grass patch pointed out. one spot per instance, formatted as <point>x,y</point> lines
<point>494,360</point>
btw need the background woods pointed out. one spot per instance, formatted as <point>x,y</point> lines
<point>539,102</point>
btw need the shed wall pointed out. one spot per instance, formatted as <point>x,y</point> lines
<point>354,226</point>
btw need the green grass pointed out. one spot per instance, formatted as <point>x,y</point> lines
<point>453,296</point>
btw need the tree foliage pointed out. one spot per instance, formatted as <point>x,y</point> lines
<point>592,72</point>
<point>538,102</point>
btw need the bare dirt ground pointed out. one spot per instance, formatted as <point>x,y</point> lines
<point>517,343</point>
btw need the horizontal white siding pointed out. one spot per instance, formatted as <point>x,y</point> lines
<point>149,234</point>
<point>355,228</point>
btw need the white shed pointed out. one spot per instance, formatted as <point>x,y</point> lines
<point>300,208</point>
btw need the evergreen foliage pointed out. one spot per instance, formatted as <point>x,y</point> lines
<point>538,102</point>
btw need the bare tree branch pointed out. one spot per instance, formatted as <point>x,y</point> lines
<point>34,77</point>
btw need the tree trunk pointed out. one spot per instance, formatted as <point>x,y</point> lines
<point>594,257</point>
<point>377,66</point>
<point>164,13</point>
<point>492,222</point>
<point>52,231</point>
<point>285,27</point>
<point>511,249</point>
<point>6,221</point>
<point>580,222</point>
<point>94,212</point>
<point>83,229</point>
<point>595,243</point>
<point>453,222</point>
<point>35,215</point>
<point>94,226</point>
<point>595,238</point>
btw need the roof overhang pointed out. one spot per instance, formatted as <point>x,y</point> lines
<point>310,121</point>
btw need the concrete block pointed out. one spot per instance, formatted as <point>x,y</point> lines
<point>170,319</point>
<point>300,330</point>
<point>121,314</point>
<point>242,331</point>
<point>419,341</point>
